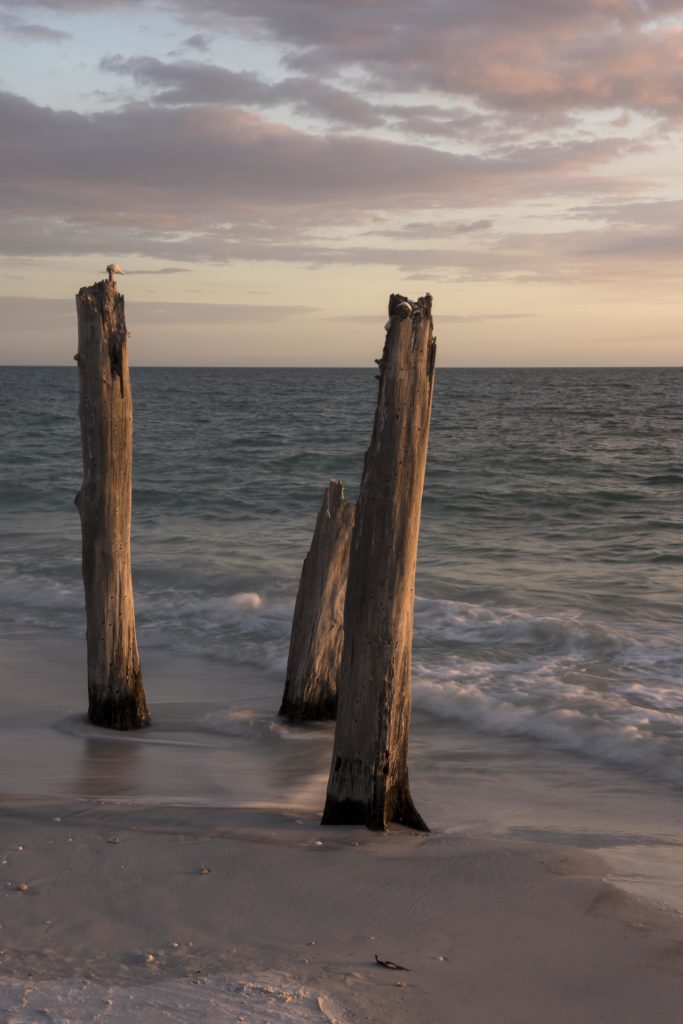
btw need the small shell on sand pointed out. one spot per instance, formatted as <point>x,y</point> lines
<point>114,839</point>
<point>22,887</point>
<point>205,871</point>
<point>150,958</point>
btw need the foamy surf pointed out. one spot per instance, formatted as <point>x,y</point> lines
<point>606,690</point>
<point>603,690</point>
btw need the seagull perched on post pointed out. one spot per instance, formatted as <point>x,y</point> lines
<point>114,268</point>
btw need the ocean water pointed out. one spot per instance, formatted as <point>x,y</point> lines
<point>548,650</point>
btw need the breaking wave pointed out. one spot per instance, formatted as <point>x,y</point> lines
<point>594,689</point>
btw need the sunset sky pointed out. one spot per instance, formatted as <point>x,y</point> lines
<point>267,171</point>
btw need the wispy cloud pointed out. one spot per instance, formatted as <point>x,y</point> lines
<point>28,32</point>
<point>161,270</point>
<point>190,82</point>
<point>147,314</point>
<point>445,318</point>
<point>199,41</point>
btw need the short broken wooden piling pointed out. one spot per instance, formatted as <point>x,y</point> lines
<point>317,639</point>
<point>116,698</point>
<point>368,782</point>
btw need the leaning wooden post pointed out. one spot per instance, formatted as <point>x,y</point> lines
<point>368,782</point>
<point>116,697</point>
<point>317,639</point>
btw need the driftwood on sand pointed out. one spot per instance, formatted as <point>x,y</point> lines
<point>368,782</point>
<point>317,638</point>
<point>115,690</point>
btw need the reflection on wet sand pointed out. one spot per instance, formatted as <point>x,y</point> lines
<point>108,769</point>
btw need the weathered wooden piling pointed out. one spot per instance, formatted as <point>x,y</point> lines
<point>116,698</point>
<point>317,639</point>
<point>368,782</point>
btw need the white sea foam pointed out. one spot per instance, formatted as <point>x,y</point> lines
<point>596,689</point>
<point>601,689</point>
<point>243,723</point>
<point>249,601</point>
<point>243,628</point>
<point>254,724</point>
<point>609,691</point>
<point>31,599</point>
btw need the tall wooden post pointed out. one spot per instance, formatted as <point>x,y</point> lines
<point>368,782</point>
<point>317,639</point>
<point>115,691</point>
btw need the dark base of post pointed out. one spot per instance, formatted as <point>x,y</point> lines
<point>127,711</point>
<point>406,813</point>
<point>321,711</point>
<point>356,812</point>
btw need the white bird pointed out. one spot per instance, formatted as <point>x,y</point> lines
<point>114,268</point>
<point>404,308</point>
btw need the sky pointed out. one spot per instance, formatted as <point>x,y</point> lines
<point>267,172</point>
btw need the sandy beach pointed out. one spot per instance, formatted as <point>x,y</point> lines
<point>159,913</point>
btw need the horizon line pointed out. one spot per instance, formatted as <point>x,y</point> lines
<point>239,366</point>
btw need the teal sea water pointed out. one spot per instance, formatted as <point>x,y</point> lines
<point>549,615</point>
